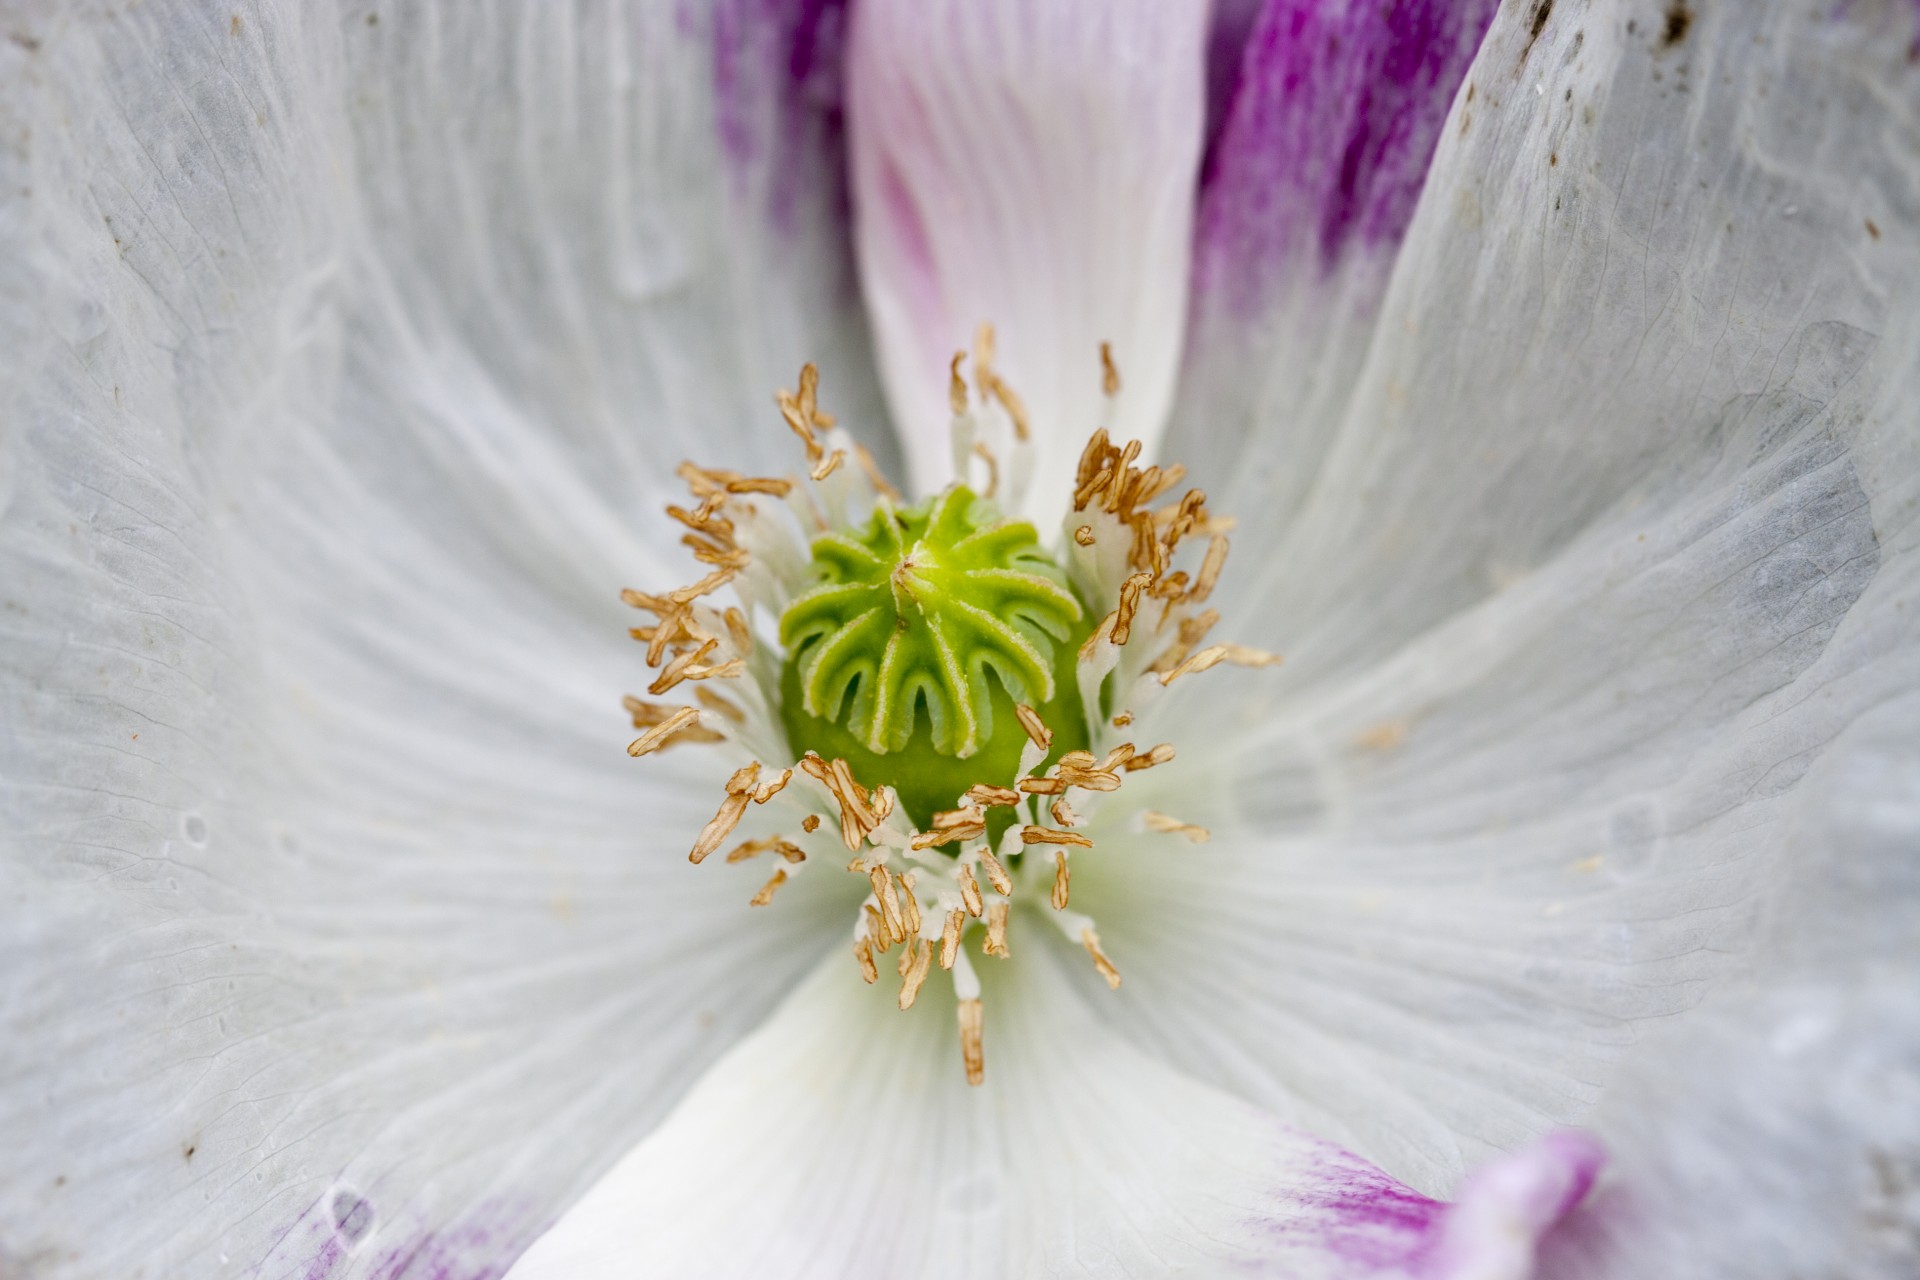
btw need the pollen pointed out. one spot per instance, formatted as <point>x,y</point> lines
<point>936,695</point>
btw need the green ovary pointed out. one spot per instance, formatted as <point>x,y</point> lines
<point>922,632</point>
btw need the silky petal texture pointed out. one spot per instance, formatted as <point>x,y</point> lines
<point>1616,538</point>
<point>348,356</point>
<point>842,1141</point>
<point>1031,166</point>
<point>1325,140</point>
<point>1776,1132</point>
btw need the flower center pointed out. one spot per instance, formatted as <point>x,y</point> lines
<point>926,633</point>
<point>955,719</point>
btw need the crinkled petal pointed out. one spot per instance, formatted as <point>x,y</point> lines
<point>1617,539</point>
<point>843,1141</point>
<point>347,357</point>
<point>1030,166</point>
<point>1776,1132</point>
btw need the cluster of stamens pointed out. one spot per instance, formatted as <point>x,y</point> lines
<point>1005,839</point>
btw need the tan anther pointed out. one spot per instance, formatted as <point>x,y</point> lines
<point>1078,769</point>
<point>972,1051</point>
<point>981,793</point>
<point>1084,535</point>
<point>1384,736</point>
<point>1037,731</point>
<point>1213,655</point>
<point>863,458</point>
<point>828,466</point>
<point>882,881</point>
<point>956,385</point>
<point>909,905</point>
<point>1060,878</point>
<point>1122,720</point>
<point>950,937</point>
<point>739,790</point>
<point>883,938</point>
<point>997,929</point>
<point>1042,786</point>
<point>706,586</point>
<point>685,720</point>
<point>676,671</point>
<point>1117,758</point>
<point>767,890</point>
<point>718,705</point>
<point>863,953</point>
<point>810,823</point>
<point>738,632</point>
<point>1209,575</point>
<point>969,891</point>
<point>773,788</point>
<point>1063,813</point>
<point>907,957</point>
<point>985,455</point>
<point>1109,371</point>
<point>1161,822</point>
<point>1129,602</point>
<point>996,874</point>
<point>857,817</point>
<point>963,817</point>
<point>772,486</point>
<point>949,835</point>
<point>801,410</point>
<point>1093,458</point>
<point>922,952</point>
<point>1031,835</point>
<point>1091,941</point>
<point>1101,634</point>
<point>1159,755</point>
<point>751,848</point>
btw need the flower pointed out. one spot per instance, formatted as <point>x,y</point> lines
<point>1555,361</point>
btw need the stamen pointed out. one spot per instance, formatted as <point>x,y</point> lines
<point>1049,835</point>
<point>686,718</point>
<point>1213,655</point>
<point>1084,535</point>
<point>916,973</point>
<point>1159,755</point>
<point>996,874</point>
<point>739,794</point>
<point>1109,372</point>
<point>1157,821</point>
<point>1060,878</point>
<point>810,823</point>
<point>972,1052</point>
<point>969,891</point>
<point>1091,941</point>
<point>950,937</point>
<point>1037,730</point>
<point>996,944</point>
<point>765,895</point>
<point>863,953</point>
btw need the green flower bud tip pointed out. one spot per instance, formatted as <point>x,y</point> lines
<point>921,635</point>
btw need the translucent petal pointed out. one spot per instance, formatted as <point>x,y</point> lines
<point>346,357</point>
<point>843,1140</point>
<point>1618,536</point>
<point>1777,1131</point>
<point>1031,166</point>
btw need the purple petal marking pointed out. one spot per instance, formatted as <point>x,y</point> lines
<point>780,84</point>
<point>1326,142</point>
<point>1505,1208</point>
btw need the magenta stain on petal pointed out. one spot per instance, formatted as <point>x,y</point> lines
<point>1327,140</point>
<point>780,88</point>
<point>1352,1211</point>
<point>343,1235</point>
<point>1506,1208</point>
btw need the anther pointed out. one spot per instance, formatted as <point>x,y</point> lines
<point>658,736</point>
<point>1091,941</point>
<point>969,890</point>
<point>1156,821</point>
<point>767,890</point>
<point>922,952</point>
<point>1060,878</point>
<point>996,874</point>
<point>972,1052</point>
<point>950,937</point>
<point>997,929</point>
<point>863,953</point>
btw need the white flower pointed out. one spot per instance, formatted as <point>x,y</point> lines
<point>1561,382</point>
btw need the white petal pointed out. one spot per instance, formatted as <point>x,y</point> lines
<point>1324,143</point>
<point>345,356</point>
<point>842,1141</point>
<point>1031,166</point>
<point>1609,552</point>
<point>1777,1132</point>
